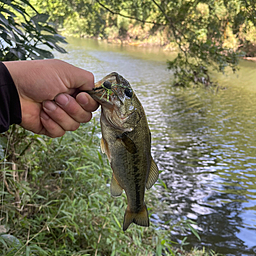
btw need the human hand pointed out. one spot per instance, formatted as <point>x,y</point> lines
<point>45,88</point>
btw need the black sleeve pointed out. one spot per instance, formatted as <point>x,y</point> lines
<point>10,110</point>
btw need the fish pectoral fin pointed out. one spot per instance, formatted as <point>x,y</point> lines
<point>153,174</point>
<point>140,218</point>
<point>104,148</point>
<point>102,145</point>
<point>128,143</point>
<point>115,188</point>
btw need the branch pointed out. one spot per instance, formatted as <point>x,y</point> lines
<point>163,12</point>
<point>176,32</point>
<point>127,16</point>
<point>171,23</point>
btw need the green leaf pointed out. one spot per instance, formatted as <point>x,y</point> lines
<point>117,221</point>
<point>194,232</point>
<point>2,10</point>
<point>18,53</point>
<point>22,34</point>
<point>42,53</point>
<point>26,3</point>
<point>54,38</point>
<point>55,46</point>
<point>40,17</point>
<point>3,20</point>
<point>11,240</point>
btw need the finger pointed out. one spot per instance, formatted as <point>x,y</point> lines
<point>84,80</point>
<point>50,128</point>
<point>59,116</point>
<point>87,102</point>
<point>73,109</point>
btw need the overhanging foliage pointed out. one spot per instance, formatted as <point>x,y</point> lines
<point>23,35</point>
<point>210,35</point>
<point>200,30</point>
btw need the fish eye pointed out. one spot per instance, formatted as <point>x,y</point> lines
<point>128,92</point>
<point>107,85</point>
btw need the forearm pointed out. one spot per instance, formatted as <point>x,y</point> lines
<point>10,110</point>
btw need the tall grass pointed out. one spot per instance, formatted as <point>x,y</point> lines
<point>55,200</point>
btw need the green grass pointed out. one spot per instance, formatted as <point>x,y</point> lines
<point>55,200</point>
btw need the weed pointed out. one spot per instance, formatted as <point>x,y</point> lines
<point>55,200</point>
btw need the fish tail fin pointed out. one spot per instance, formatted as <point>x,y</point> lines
<point>140,218</point>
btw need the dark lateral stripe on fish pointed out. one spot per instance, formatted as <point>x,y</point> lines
<point>137,176</point>
<point>126,141</point>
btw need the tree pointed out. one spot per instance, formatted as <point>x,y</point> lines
<point>80,17</point>
<point>22,35</point>
<point>210,34</point>
<point>199,29</point>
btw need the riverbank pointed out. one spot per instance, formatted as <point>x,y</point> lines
<point>135,35</point>
<point>139,37</point>
<point>132,35</point>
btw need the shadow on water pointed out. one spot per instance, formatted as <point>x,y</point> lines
<point>203,141</point>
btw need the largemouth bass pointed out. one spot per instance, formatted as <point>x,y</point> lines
<point>126,140</point>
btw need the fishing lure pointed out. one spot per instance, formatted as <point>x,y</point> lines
<point>107,86</point>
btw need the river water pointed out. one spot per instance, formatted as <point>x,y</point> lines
<point>204,142</point>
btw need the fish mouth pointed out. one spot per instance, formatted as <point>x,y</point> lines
<point>104,89</point>
<point>100,95</point>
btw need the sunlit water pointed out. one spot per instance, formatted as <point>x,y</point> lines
<point>204,142</point>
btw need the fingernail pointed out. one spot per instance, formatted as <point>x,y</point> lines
<point>44,116</point>
<point>49,105</point>
<point>62,100</point>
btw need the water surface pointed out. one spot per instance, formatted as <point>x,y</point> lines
<point>203,142</point>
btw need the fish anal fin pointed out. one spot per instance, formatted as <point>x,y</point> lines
<point>140,218</point>
<point>115,188</point>
<point>153,174</point>
<point>104,148</point>
<point>128,143</point>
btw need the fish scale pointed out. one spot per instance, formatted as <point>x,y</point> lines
<point>126,140</point>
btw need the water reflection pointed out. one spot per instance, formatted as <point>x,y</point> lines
<point>209,165</point>
<point>203,142</point>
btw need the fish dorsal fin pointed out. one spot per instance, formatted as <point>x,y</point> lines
<point>115,188</point>
<point>104,148</point>
<point>128,143</point>
<point>153,174</point>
